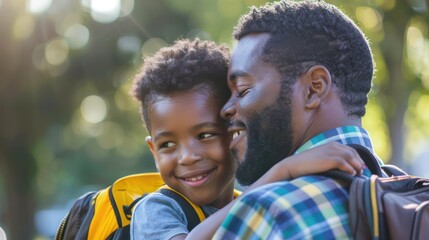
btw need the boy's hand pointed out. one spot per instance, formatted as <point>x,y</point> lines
<point>332,155</point>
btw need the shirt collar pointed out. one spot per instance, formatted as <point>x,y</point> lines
<point>344,135</point>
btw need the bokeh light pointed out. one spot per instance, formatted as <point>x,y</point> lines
<point>86,4</point>
<point>105,11</point>
<point>129,45</point>
<point>23,26</point>
<point>369,18</point>
<point>77,36</point>
<point>93,109</point>
<point>70,19</point>
<point>127,7</point>
<point>415,45</point>
<point>56,51</point>
<point>38,6</point>
<point>152,45</point>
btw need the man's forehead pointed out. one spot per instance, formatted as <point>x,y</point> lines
<point>247,52</point>
<point>251,43</point>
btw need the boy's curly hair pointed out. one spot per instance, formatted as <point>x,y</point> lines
<point>306,33</point>
<point>187,64</point>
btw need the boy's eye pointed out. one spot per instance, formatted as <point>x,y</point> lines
<point>205,135</point>
<point>167,145</point>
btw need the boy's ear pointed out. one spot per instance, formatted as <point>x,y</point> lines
<point>319,84</point>
<point>152,149</point>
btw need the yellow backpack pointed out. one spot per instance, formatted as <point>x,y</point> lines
<point>106,214</point>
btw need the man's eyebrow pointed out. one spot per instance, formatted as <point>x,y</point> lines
<point>238,73</point>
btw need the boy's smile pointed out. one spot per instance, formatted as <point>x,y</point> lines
<point>191,146</point>
<point>197,177</point>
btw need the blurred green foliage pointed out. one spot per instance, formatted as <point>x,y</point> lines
<point>68,124</point>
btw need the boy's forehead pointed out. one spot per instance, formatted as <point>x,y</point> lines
<point>189,98</point>
<point>204,92</point>
<point>183,110</point>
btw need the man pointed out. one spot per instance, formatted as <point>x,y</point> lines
<point>299,77</point>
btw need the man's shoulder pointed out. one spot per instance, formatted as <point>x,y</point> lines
<point>299,188</point>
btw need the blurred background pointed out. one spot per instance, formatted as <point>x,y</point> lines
<point>68,124</point>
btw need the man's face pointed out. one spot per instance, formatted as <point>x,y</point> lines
<point>258,112</point>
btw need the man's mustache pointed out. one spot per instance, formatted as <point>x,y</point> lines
<point>235,123</point>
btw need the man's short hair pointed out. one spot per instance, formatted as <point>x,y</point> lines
<point>181,67</point>
<point>307,33</point>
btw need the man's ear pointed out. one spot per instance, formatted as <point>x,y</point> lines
<point>152,149</point>
<point>319,84</point>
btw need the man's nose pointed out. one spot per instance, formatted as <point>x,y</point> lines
<point>228,110</point>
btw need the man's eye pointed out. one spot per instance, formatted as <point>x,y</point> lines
<point>205,135</point>
<point>243,92</point>
<point>167,145</point>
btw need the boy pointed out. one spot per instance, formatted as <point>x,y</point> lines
<point>181,90</point>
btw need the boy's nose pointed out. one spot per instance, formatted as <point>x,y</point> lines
<point>189,154</point>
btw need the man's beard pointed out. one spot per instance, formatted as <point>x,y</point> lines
<point>269,139</point>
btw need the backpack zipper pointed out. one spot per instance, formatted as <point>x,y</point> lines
<point>60,231</point>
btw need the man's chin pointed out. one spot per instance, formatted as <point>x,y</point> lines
<point>246,174</point>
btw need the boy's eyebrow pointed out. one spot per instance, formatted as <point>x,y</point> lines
<point>205,124</point>
<point>194,128</point>
<point>162,134</point>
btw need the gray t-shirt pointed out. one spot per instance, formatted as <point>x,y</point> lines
<point>157,216</point>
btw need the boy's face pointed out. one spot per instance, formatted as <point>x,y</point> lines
<point>191,147</point>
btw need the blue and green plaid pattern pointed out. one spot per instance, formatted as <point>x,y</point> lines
<point>309,207</point>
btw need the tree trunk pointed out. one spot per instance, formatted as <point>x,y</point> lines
<point>18,177</point>
<point>17,130</point>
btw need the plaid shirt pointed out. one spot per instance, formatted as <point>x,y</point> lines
<point>309,207</point>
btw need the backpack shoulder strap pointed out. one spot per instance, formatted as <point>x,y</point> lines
<point>368,157</point>
<point>125,190</point>
<point>73,222</point>
<point>194,214</point>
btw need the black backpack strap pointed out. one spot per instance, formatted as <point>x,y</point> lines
<point>128,209</point>
<point>191,215</point>
<point>369,159</point>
